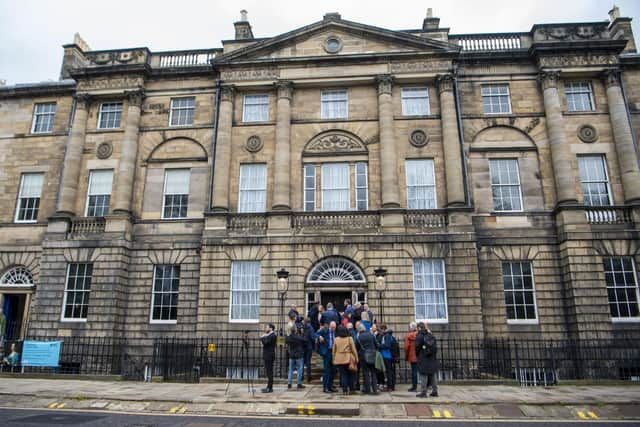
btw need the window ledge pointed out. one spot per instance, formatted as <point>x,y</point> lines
<point>65,320</point>
<point>163,322</point>
<point>433,321</point>
<point>625,320</point>
<point>244,321</point>
<point>26,222</point>
<point>522,322</point>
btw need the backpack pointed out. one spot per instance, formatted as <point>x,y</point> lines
<point>395,348</point>
<point>429,345</point>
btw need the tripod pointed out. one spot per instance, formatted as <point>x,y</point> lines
<point>244,362</point>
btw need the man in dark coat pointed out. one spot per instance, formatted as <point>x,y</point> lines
<point>367,347</point>
<point>330,315</point>
<point>426,353</point>
<point>268,340</point>
<point>295,346</point>
<point>309,335</point>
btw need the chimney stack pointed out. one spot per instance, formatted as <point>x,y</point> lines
<point>430,23</point>
<point>243,28</point>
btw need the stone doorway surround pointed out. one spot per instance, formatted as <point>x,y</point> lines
<point>17,282</point>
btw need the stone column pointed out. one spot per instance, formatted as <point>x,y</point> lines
<point>451,142</point>
<point>129,153</point>
<point>388,156</point>
<point>282,165</point>
<point>73,157</point>
<point>625,148</point>
<point>223,151</point>
<point>561,157</point>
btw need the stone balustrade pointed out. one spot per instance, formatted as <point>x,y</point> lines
<point>183,58</point>
<point>608,215</point>
<point>86,225</point>
<point>425,219</point>
<point>491,42</point>
<point>247,222</point>
<point>333,220</point>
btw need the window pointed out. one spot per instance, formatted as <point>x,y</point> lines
<point>495,99</point>
<point>594,180</point>
<point>505,185</point>
<point>362,187</point>
<point>622,288</point>
<point>182,110</point>
<point>29,197</point>
<point>335,187</point>
<point>579,96</point>
<point>256,108</point>
<point>76,293</point>
<point>164,301</point>
<point>333,104</point>
<point>415,101</point>
<point>421,184</point>
<point>43,117</point>
<point>245,291</point>
<point>309,188</point>
<point>99,194</point>
<point>519,292</point>
<point>110,114</point>
<point>253,188</point>
<point>430,290</point>
<point>176,193</point>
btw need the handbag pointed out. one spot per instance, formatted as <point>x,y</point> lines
<point>353,364</point>
<point>370,357</point>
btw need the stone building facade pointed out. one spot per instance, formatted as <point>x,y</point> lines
<point>495,178</point>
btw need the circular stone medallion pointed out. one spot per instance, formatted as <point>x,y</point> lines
<point>419,138</point>
<point>104,150</point>
<point>254,144</point>
<point>587,133</point>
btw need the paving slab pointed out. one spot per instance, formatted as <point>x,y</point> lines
<point>508,410</point>
<point>418,410</point>
<point>629,411</point>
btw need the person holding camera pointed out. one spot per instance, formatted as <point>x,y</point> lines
<point>268,340</point>
<point>428,366</point>
<point>295,345</point>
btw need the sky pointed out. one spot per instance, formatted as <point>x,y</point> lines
<point>32,32</point>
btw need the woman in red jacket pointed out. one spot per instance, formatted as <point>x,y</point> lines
<point>410,354</point>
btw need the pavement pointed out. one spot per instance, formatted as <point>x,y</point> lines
<point>569,402</point>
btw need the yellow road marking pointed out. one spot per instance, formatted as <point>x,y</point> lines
<point>62,405</point>
<point>582,415</point>
<point>52,405</point>
<point>593,415</point>
<point>311,410</point>
<point>173,410</point>
<point>300,409</point>
<point>182,410</point>
<point>447,414</point>
<point>437,414</point>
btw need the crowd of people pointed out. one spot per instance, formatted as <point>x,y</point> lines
<point>353,344</point>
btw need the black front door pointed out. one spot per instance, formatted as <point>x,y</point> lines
<point>335,297</point>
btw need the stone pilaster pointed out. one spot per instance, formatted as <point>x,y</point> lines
<point>127,164</point>
<point>388,156</point>
<point>223,150</point>
<point>73,157</point>
<point>625,148</point>
<point>282,164</point>
<point>561,157</point>
<point>451,142</point>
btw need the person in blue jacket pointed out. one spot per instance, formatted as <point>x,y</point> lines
<point>385,350</point>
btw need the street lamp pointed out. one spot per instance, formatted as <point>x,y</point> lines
<point>283,286</point>
<point>381,285</point>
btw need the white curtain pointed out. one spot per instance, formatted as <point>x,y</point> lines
<point>100,182</point>
<point>421,188</point>
<point>177,181</point>
<point>256,108</point>
<point>31,185</point>
<point>253,188</point>
<point>415,101</point>
<point>335,187</point>
<point>245,290</point>
<point>334,104</point>
<point>430,289</point>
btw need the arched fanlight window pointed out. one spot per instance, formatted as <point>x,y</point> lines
<point>17,276</point>
<point>336,270</point>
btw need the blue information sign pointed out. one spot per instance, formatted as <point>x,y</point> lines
<point>41,353</point>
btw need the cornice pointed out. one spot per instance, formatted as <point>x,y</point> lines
<point>45,89</point>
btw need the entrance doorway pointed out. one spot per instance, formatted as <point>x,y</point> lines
<point>13,310</point>
<point>335,297</point>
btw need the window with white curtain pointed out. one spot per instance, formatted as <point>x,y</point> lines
<point>176,193</point>
<point>415,101</point>
<point>579,96</point>
<point>43,116</point>
<point>430,290</point>
<point>29,197</point>
<point>505,185</point>
<point>164,299</point>
<point>255,108</point>
<point>421,184</point>
<point>110,115</point>
<point>245,291</point>
<point>594,180</point>
<point>253,188</point>
<point>99,194</point>
<point>182,110</point>
<point>333,104</point>
<point>362,187</point>
<point>309,188</point>
<point>335,187</point>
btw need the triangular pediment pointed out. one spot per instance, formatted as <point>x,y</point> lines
<point>335,39</point>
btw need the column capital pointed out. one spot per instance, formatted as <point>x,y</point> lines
<point>83,100</point>
<point>611,77</point>
<point>548,79</point>
<point>135,97</point>
<point>385,83</point>
<point>227,93</point>
<point>285,89</point>
<point>444,82</point>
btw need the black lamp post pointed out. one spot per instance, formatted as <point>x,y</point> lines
<point>283,286</point>
<point>381,285</point>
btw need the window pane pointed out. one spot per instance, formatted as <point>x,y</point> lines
<point>253,188</point>
<point>176,193</point>
<point>594,180</point>
<point>164,300</point>
<point>421,189</point>
<point>43,116</point>
<point>505,184</point>
<point>335,186</point>
<point>182,110</point>
<point>77,290</point>
<point>245,290</point>
<point>256,108</point>
<point>333,104</point>
<point>622,286</point>
<point>429,289</point>
<point>495,99</point>
<point>519,290</point>
<point>110,114</point>
<point>415,101</point>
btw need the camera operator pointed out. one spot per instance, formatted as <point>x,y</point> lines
<point>268,340</point>
<point>295,344</point>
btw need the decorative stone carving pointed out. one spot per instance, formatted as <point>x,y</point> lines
<point>119,57</point>
<point>549,79</point>
<point>385,84</point>
<point>227,93</point>
<point>335,142</point>
<point>104,150</point>
<point>126,82</point>
<point>445,82</point>
<point>611,78</point>
<point>571,32</point>
<point>332,44</point>
<point>587,133</point>
<point>577,60</point>
<point>83,100</point>
<point>266,73</point>
<point>285,89</point>
<point>532,124</point>
<point>413,66</point>
<point>419,138</point>
<point>254,144</point>
<point>135,97</point>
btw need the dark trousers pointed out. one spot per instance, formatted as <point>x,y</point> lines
<point>414,375</point>
<point>370,378</point>
<point>390,373</point>
<point>268,366</point>
<point>346,375</point>
<point>328,372</point>
<point>307,362</point>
